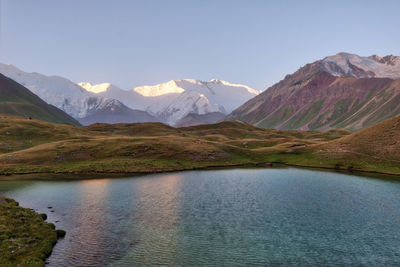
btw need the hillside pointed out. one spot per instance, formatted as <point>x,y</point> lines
<point>195,119</point>
<point>376,145</point>
<point>341,91</point>
<point>31,146</point>
<point>15,99</point>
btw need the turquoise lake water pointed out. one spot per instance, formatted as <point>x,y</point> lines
<point>237,217</point>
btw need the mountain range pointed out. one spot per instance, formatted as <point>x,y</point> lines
<point>173,100</point>
<point>166,102</point>
<point>80,104</point>
<point>341,91</point>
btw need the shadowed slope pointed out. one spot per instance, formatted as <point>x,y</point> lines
<point>15,99</point>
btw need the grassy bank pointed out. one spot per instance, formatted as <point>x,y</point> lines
<point>25,238</point>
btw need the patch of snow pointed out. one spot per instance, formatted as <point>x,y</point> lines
<point>95,88</point>
<point>345,64</point>
<point>159,89</point>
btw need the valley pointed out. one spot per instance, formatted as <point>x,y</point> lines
<point>199,133</point>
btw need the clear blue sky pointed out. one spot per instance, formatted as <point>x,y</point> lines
<point>132,43</point>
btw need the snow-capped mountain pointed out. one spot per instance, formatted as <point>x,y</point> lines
<point>55,90</point>
<point>173,100</point>
<point>345,64</point>
<point>97,88</point>
<point>130,98</point>
<point>160,89</point>
<point>186,102</point>
<point>225,94</point>
<point>114,111</point>
<point>66,95</point>
<point>17,100</point>
<point>169,102</point>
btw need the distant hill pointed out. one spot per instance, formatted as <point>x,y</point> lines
<point>196,119</point>
<point>15,99</point>
<point>341,91</point>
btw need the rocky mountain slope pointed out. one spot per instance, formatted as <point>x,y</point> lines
<point>17,100</point>
<point>114,111</point>
<point>74,100</point>
<point>173,100</point>
<point>340,91</point>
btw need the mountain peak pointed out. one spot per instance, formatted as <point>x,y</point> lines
<point>160,89</point>
<point>9,68</point>
<point>346,64</point>
<point>388,60</point>
<point>95,88</point>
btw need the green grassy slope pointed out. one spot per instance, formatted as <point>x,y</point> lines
<point>376,148</point>
<point>15,99</point>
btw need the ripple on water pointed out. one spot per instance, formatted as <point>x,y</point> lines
<point>221,218</point>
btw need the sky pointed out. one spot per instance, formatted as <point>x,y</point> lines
<point>134,43</point>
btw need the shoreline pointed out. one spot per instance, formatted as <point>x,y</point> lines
<point>84,175</point>
<point>28,239</point>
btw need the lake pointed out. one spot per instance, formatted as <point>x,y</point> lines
<point>236,217</point>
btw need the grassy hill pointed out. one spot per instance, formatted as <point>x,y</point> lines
<point>32,146</point>
<point>376,148</point>
<point>15,99</point>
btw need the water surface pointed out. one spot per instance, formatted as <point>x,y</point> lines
<point>237,217</point>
